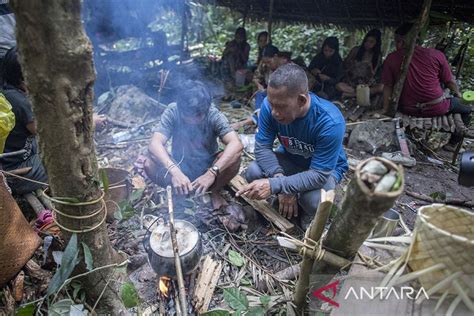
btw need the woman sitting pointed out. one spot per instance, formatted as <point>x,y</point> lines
<point>327,68</point>
<point>363,66</point>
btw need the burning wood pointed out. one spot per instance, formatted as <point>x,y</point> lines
<point>164,285</point>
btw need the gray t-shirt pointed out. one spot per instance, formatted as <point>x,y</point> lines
<point>7,28</point>
<point>195,146</point>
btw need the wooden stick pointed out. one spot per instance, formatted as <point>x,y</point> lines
<point>177,260</point>
<point>20,171</point>
<point>35,204</point>
<point>262,207</point>
<point>314,232</point>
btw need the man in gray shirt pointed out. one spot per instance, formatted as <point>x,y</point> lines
<point>195,163</point>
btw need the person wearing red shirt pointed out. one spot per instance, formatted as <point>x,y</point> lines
<point>422,94</point>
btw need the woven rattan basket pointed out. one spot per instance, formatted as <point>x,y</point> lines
<point>18,240</point>
<point>444,238</point>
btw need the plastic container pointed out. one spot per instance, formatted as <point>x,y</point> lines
<point>363,95</point>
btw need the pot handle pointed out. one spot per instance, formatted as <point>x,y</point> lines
<point>146,241</point>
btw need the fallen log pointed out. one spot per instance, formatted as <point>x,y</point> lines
<point>429,199</point>
<point>238,182</point>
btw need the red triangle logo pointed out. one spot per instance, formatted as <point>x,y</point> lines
<point>319,293</point>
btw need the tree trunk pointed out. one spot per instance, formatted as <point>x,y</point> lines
<point>56,58</point>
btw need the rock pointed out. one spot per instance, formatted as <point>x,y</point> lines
<point>374,136</point>
<point>132,106</point>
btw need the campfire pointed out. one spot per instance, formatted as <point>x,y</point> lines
<point>164,286</point>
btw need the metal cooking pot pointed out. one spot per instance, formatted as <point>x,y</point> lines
<point>157,243</point>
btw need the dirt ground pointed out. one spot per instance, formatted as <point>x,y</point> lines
<point>256,247</point>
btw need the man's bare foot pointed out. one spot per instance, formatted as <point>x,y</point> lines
<point>217,200</point>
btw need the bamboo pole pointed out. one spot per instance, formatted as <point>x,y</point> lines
<point>361,207</point>
<point>314,232</point>
<point>412,36</point>
<point>177,260</point>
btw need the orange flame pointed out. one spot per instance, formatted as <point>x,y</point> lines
<point>164,285</point>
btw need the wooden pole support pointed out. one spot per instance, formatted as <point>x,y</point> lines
<point>314,232</point>
<point>177,260</point>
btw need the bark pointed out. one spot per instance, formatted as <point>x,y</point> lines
<point>56,58</point>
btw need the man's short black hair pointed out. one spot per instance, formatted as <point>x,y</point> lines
<point>270,51</point>
<point>291,76</point>
<point>11,69</point>
<point>404,29</point>
<point>194,98</point>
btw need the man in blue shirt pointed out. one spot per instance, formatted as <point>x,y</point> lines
<point>311,156</point>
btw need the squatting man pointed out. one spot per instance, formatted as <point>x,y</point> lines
<point>195,164</point>
<point>311,156</point>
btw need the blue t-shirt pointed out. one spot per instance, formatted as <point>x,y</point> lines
<point>311,142</point>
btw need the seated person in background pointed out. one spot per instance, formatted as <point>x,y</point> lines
<point>326,66</point>
<point>310,158</point>
<point>23,135</point>
<point>363,65</point>
<point>272,59</point>
<point>195,163</point>
<point>422,95</point>
<point>234,57</point>
<point>262,41</point>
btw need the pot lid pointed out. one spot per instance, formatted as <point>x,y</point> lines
<point>186,234</point>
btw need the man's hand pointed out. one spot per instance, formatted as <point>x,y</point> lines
<point>181,184</point>
<point>260,87</point>
<point>99,121</point>
<point>324,77</point>
<point>203,183</point>
<point>288,205</point>
<point>257,190</point>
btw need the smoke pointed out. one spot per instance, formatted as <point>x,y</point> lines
<point>130,49</point>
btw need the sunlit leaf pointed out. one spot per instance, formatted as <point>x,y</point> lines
<point>235,258</point>
<point>129,295</point>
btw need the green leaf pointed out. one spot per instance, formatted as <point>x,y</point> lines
<point>245,281</point>
<point>104,178</point>
<point>238,312</point>
<point>136,195</point>
<point>235,299</point>
<point>235,258</point>
<point>216,312</point>
<point>255,311</point>
<point>126,211</point>
<point>60,308</point>
<point>265,300</point>
<point>77,287</point>
<point>68,262</point>
<point>129,295</point>
<point>88,257</point>
<point>438,196</point>
<point>397,183</point>
<point>26,310</point>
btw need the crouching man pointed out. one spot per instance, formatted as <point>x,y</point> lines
<point>195,164</point>
<point>311,156</point>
